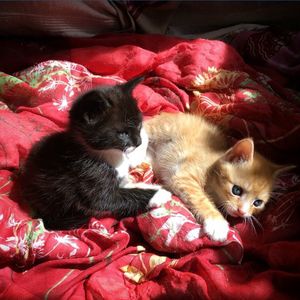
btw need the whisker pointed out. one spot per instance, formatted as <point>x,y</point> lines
<point>257,222</point>
<point>249,219</point>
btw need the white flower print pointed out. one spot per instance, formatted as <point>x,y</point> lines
<point>174,225</point>
<point>62,104</point>
<point>67,240</point>
<point>12,222</point>
<point>52,85</point>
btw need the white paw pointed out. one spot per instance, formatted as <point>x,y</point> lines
<point>162,196</point>
<point>216,229</point>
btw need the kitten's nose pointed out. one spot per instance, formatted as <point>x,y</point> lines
<point>241,212</point>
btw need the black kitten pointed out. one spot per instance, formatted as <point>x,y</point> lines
<point>73,175</point>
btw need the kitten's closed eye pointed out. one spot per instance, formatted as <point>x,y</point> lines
<point>123,134</point>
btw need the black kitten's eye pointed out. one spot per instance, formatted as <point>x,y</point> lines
<point>237,190</point>
<point>257,202</point>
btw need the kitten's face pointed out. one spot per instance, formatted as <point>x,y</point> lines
<point>108,118</point>
<point>241,181</point>
<point>240,189</point>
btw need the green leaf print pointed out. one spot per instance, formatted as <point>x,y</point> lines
<point>7,82</point>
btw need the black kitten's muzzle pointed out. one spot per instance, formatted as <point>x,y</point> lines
<point>133,144</point>
<point>132,141</point>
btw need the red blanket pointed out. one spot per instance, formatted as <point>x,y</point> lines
<point>162,253</point>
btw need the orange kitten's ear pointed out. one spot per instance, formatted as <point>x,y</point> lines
<point>242,151</point>
<point>278,169</point>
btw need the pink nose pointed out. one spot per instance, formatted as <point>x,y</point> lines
<point>241,212</point>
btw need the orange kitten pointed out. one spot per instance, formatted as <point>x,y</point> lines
<point>190,157</point>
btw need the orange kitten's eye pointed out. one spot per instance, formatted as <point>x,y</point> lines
<point>257,203</point>
<point>237,190</point>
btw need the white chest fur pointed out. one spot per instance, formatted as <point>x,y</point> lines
<point>138,155</point>
<point>122,161</point>
<point>118,160</point>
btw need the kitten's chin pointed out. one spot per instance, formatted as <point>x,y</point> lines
<point>129,150</point>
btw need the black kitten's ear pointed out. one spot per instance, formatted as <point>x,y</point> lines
<point>90,108</point>
<point>131,84</point>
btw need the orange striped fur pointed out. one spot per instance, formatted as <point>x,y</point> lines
<point>190,157</point>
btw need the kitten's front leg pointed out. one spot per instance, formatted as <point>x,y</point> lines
<point>214,224</point>
<point>161,197</point>
<point>130,201</point>
<point>118,160</point>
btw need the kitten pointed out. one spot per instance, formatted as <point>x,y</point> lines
<point>190,158</point>
<point>83,171</point>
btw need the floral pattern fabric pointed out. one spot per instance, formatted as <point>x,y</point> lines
<point>162,252</point>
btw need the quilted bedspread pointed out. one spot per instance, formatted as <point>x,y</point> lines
<point>163,253</point>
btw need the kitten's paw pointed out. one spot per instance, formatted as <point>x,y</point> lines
<point>161,197</point>
<point>216,229</point>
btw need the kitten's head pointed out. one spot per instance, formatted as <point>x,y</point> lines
<point>108,117</point>
<point>241,181</point>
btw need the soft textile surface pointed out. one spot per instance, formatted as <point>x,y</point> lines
<point>160,254</point>
<point>273,51</point>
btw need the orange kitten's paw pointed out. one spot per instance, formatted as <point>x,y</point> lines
<point>216,229</point>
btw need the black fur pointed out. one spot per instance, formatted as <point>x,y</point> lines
<point>64,180</point>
